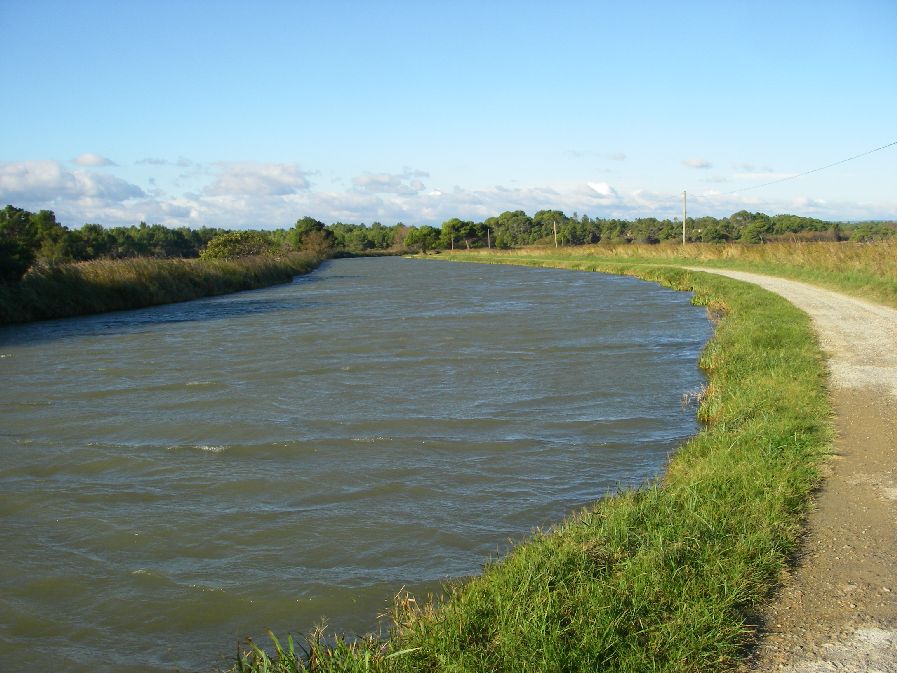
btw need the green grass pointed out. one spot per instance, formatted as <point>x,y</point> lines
<point>668,577</point>
<point>111,285</point>
<point>865,270</point>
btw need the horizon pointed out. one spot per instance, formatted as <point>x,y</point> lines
<point>247,118</point>
<point>572,216</point>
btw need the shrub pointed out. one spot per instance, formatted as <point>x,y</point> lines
<point>235,244</point>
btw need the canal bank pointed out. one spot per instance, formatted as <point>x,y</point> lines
<point>179,477</point>
<point>671,577</point>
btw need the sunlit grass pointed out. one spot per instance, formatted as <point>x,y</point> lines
<point>668,577</point>
<point>866,270</point>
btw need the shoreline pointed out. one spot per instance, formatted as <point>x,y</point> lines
<point>668,577</point>
<point>101,286</point>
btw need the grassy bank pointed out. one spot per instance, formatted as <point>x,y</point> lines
<point>865,270</point>
<point>669,577</point>
<point>111,285</point>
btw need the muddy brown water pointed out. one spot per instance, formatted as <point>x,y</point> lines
<point>177,478</point>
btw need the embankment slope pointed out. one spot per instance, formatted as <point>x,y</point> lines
<point>838,608</point>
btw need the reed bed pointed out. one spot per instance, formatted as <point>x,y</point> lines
<point>668,577</point>
<point>110,285</point>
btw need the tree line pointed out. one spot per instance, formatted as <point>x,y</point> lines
<point>28,239</point>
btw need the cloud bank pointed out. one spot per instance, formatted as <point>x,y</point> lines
<point>51,182</point>
<point>403,184</point>
<point>241,195</point>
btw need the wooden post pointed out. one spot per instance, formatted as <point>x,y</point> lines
<point>684,215</point>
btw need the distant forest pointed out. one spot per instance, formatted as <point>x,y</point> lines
<point>28,239</point>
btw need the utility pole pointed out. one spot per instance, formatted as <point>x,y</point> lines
<point>684,215</point>
<point>554,223</point>
<point>488,238</point>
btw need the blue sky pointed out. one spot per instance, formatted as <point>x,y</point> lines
<point>251,115</point>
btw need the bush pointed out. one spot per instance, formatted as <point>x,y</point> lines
<point>235,244</point>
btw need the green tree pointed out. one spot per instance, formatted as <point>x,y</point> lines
<point>235,244</point>
<point>756,232</point>
<point>544,222</point>
<point>380,237</point>
<point>399,232</point>
<point>357,240</point>
<point>94,241</point>
<point>712,231</point>
<point>450,232</point>
<point>422,239</point>
<point>55,242</point>
<point>306,226</point>
<point>18,243</point>
<point>514,227</point>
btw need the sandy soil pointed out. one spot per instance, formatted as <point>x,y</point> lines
<point>837,608</point>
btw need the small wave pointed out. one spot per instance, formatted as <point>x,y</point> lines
<point>208,448</point>
<point>207,589</point>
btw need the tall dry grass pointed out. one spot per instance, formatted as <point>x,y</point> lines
<point>867,270</point>
<point>110,285</point>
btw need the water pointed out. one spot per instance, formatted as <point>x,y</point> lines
<point>174,479</point>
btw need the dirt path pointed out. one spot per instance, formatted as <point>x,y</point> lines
<point>837,610</point>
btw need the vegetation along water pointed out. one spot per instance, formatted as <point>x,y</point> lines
<point>670,577</point>
<point>176,478</point>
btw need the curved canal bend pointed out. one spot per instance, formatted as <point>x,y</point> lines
<point>174,479</point>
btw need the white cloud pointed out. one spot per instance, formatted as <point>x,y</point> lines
<point>267,195</point>
<point>176,210</point>
<point>617,156</point>
<point>257,179</point>
<point>48,181</point>
<point>182,162</point>
<point>602,189</point>
<point>88,159</point>
<point>697,163</point>
<point>404,184</point>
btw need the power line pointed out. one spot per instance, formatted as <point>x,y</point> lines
<point>815,170</point>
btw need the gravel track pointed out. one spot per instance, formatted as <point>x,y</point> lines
<point>837,608</point>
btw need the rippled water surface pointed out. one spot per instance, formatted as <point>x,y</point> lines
<point>176,478</point>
